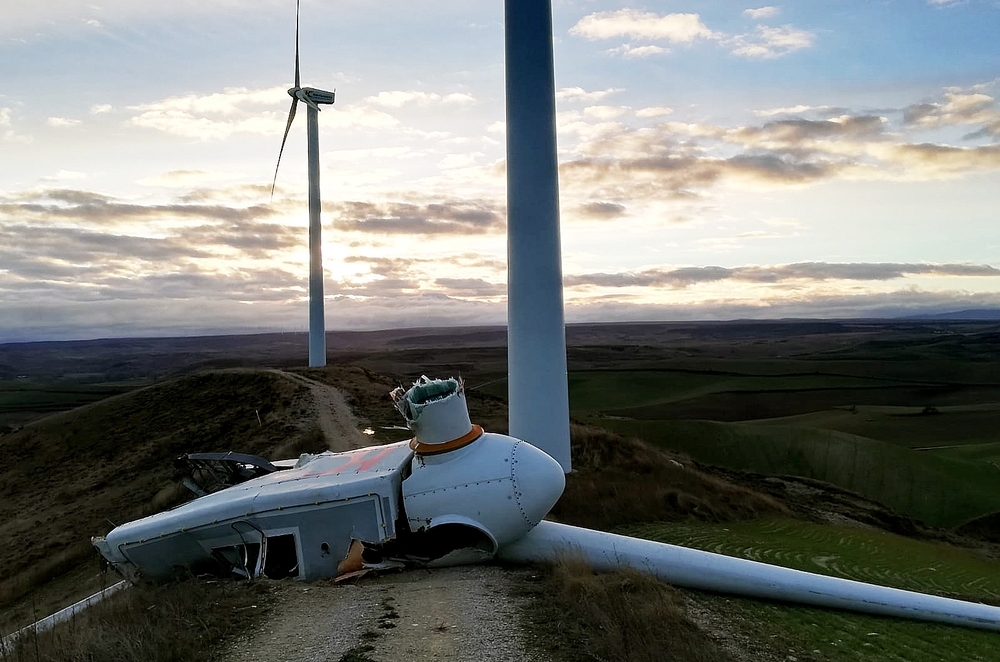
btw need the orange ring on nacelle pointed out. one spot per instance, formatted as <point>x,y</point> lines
<point>435,449</point>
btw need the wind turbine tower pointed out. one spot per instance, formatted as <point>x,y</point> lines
<point>312,98</point>
<point>536,333</point>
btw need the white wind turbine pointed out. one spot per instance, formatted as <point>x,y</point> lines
<point>312,98</point>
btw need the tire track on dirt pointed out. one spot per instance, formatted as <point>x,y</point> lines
<point>332,414</point>
<point>467,613</point>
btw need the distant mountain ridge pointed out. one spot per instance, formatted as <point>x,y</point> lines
<point>968,315</point>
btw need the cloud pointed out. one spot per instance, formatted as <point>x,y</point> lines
<point>65,175</point>
<point>936,161</point>
<point>802,134</point>
<point>233,111</point>
<point>186,178</point>
<point>958,108</point>
<point>870,305</point>
<point>49,205</point>
<point>654,172</point>
<point>765,42</point>
<point>573,94</point>
<point>604,113</point>
<point>629,52</point>
<point>85,260</point>
<point>399,98</point>
<point>634,155</point>
<point>10,135</point>
<point>675,28</point>
<point>654,111</point>
<point>761,13</point>
<point>62,122</point>
<point>603,210</point>
<point>684,277</point>
<point>790,110</point>
<point>769,42</point>
<point>471,287</point>
<point>101,109</point>
<point>440,218</point>
<point>453,161</point>
<point>56,251</point>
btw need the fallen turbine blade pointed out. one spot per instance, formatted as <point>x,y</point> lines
<point>707,571</point>
<point>288,126</point>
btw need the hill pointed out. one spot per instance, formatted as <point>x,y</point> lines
<point>67,477</point>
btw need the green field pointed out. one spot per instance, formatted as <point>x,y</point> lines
<point>941,491</point>
<point>907,426</point>
<point>852,553</point>
<point>640,390</point>
<point>23,400</point>
<point>913,423</point>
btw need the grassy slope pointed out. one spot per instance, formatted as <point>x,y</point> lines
<point>22,400</point>
<point>907,426</point>
<point>938,490</point>
<point>65,477</point>
<point>854,553</point>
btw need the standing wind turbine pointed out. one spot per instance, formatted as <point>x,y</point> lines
<point>312,98</point>
<point>537,388</point>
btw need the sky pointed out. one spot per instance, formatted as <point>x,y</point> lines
<point>718,160</point>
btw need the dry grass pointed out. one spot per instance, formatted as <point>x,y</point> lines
<point>576,614</point>
<point>615,617</point>
<point>65,478</point>
<point>173,623</point>
<point>617,481</point>
<point>45,570</point>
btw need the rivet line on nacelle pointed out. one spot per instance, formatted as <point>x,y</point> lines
<point>517,495</point>
<point>454,487</point>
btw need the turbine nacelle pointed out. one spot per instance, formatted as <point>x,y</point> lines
<point>462,477</point>
<point>311,96</point>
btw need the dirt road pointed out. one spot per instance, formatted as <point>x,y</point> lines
<point>331,412</point>
<point>452,614</point>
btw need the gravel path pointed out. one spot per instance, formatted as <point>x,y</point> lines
<point>331,413</point>
<point>456,614</point>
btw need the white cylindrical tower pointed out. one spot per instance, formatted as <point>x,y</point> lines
<point>317,319</point>
<point>536,333</point>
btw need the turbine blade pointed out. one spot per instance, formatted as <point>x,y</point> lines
<point>707,571</point>
<point>296,45</point>
<point>288,126</point>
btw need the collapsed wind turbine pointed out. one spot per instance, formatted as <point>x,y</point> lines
<point>312,98</point>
